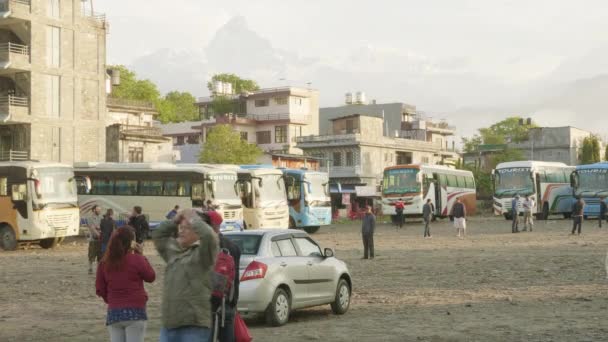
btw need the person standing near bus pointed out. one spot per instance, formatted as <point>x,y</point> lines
<point>459,212</point>
<point>399,208</point>
<point>120,282</point>
<point>108,225</point>
<point>172,213</point>
<point>94,224</point>
<point>528,210</point>
<point>140,224</point>
<point>603,210</point>
<point>367,233</point>
<point>578,211</point>
<point>427,215</point>
<point>515,214</point>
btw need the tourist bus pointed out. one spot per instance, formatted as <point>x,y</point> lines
<point>157,188</point>
<point>262,190</point>
<point>416,183</point>
<point>591,183</point>
<point>548,183</point>
<point>38,203</point>
<point>308,197</point>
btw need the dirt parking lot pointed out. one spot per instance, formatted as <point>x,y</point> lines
<point>492,286</point>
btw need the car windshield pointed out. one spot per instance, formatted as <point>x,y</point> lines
<point>592,181</point>
<point>224,188</point>
<point>317,190</point>
<point>248,244</point>
<point>512,181</point>
<point>56,187</point>
<point>270,190</point>
<point>400,181</point>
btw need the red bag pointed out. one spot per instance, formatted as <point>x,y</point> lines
<point>241,332</point>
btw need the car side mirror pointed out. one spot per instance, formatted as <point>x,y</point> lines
<point>329,253</point>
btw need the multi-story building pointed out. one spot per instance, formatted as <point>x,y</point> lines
<point>186,140</point>
<point>131,136</point>
<point>357,151</point>
<point>271,118</point>
<point>52,81</point>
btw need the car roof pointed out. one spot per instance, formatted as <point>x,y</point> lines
<point>270,232</point>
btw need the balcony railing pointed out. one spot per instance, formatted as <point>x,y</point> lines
<point>19,49</point>
<point>13,155</point>
<point>279,117</point>
<point>12,100</point>
<point>113,101</point>
<point>141,131</point>
<point>328,138</point>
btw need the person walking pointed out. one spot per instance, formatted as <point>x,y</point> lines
<point>427,215</point>
<point>108,226</point>
<point>120,282</point>
<point>225,333</point>
<point>94,234</point>
<point>603,210</point>
<point>459,212</point>
<point>172,213</point>
<point>399,208</point>
<point>528,210</point>
<point>186,306</point>
<point>367,232</point>
<point>578,211</point>
<point>140,224</point>
<point>515,214</point>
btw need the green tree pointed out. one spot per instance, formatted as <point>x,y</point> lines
<point>606,153</point>
<point>239,85</point>
<point>177,107</point>
<point>222,105</point>
<point>225,146</point>
<point>590,150</point>
<point>132,88</point>
<point>502,132</point>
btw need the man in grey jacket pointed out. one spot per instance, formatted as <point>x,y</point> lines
<point>427,215</point>
<point>186,309</point>
<point>367,231</point>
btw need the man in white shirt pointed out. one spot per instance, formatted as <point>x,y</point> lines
<point>528,210</point>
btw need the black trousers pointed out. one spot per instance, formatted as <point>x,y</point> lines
<point>368,245</point>
<point>427,227</point>
<point>399,220</point>
<point>515,224</point>
<point>601,218</point>
<point>577,222</point>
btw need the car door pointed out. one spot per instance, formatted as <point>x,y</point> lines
<point>294,269</point>
<point>321,271</point>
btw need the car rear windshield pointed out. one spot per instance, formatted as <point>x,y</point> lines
<point>248,244</point>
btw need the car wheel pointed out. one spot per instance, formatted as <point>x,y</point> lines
<point>277,313</point>
<point>49,243</point>
<point>342,301</point>
<point>8,240</point>
<point>311,230</point>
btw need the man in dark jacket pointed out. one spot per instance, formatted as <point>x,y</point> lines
<point>515,214</point>
<point>578,210</point>
<point>603,210</point>
<point>427,215</point>
<point>367,231</point>
<point>140,224</point>
<point>107,225</point>
<point>226,333</point>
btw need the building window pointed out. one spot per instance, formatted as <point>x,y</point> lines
<point>350,161</point>
<point>53,83</point>
<point>244,136</point>
<point>263,137</point>
<point>337,157</point>
<point>53,46</point>
<point>52,9</point>
<point>321,156</point>
<point>261,103</point>
<point>280,101</point>
<point>136,154</point>
<point>425,160</point>
<point>280,134</point>
<point>297,101</point>
<point>192,139</point>
<point>180,141</point>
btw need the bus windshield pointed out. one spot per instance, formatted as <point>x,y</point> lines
<point>317,191</point>
<point>592,181</point>
<point>224,187</point>
<point>400,181</point>
<point>57,186</point>
<point>512,181</point>
<point>271,190</point>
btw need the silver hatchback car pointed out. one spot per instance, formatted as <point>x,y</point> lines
<point>283,270</point>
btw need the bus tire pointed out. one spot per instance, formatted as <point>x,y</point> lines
<point>545,214</point>
<point>567,215</point>
<point>49,243</point>
<point>312,230</point>
<point>292,223</point>
<point>8,239</point>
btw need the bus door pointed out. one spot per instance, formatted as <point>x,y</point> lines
<point>536,178</point>
<point>437,183</point>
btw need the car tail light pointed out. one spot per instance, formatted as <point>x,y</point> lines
<point>255,270</point>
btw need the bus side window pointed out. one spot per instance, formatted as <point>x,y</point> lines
<point>443,180</point>
<point>102,187</point>
<point>170,188</point>
<point>461,182</point>
<point>125,187</point>
<point>3,186</point>
<point>452,182</point>
<point>470,182</point>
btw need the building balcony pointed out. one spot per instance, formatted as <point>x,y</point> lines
<point>98,19</point>
<point>345,171</point>
<point>442,128</point>
<point>254,119</point>
<point>141,133</point>
<point>285,117</point>
<point>14,57</point>
<point>14,9</point>
<point>13,155</point>
<point>334,139</point>
<point>11,106</point>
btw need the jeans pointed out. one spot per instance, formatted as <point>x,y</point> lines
<point>515,224</point>
<point>128,331</point>
<point>368,246</point>
<point>578,222</point>
<point>226,333</point>
<point>185,334</point>
<point>427,227</point>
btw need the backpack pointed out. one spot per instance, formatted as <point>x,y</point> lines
<point>223,275</point>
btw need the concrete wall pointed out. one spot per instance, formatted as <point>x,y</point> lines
<point>392,113</point>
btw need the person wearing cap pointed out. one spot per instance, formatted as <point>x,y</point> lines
<point>214,219</point>
<point>515,214</point>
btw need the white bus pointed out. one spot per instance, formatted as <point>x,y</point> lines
<point>414,184</point>
<point>264,197</point>
<point>157,188</point>
<point>547,183</point>
<point>38,203</point>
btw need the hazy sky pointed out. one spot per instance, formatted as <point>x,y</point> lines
<point>440,55</point>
